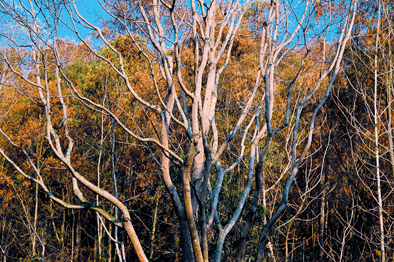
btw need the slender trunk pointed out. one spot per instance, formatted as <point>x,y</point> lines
<point>263,241</point>
<point>322,216</point>
<point>204,191</point>
<point>99,225</point>
<point>118,252</point>
<point>100,241</point>
<point>378,179</point>
<point>154,227</point>
<point>73,236</point>
<point>53,221</point>
<point>389,78</point>
<point>255,202</point>
<point>78,238</point>
<point>223,231</point>
<point>35,223</point>
<point>43,247</point>
<point>292,253</point>
<point>109,244</point>
<point>3,240</point>
<point>377,157</point>
<point>95,249</point>
<point>289,228</point>
<point>251,216</point>
<point>63,226</point>
<point>196,178</point>
<point>265,222</point>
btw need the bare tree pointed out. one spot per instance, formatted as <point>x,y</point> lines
<point>188,47</point>
<point>370,133</point>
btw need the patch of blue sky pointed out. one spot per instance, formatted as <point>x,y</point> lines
<point>15,31</point>
<point>12,33</point>
<point>91,11</point>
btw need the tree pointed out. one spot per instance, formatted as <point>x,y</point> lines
<point>196,124</point>
<point>364,100</point>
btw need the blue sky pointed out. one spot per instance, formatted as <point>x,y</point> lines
<point>91,11</point>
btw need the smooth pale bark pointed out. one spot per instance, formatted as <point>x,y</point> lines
<point>186,173</point>
<point>62,150</point>
<point>114,179</point>
<point>376,141</point>
<point>297,160</point>
<point>186,240</point>
<point>208,25</point>
<point>98,244</point>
